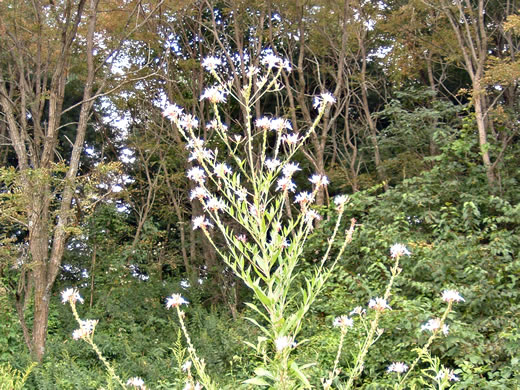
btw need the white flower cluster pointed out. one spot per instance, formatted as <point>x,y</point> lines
<point>275,124</point>
<point>85,330</point>
<point>210,168</point>
<point>211,63</point>
<point>324,98</point>
<point>186,366</point>
<point>189,385</point>
<point>343,322</point>
<point>434,324</point>
<point>446,374</point>
<point>273,61</point>
<point>398,367</point>
<point>136,382</point>
<point>379,304</point>
<point>71,295</point>
<point>175,300</point>
<point>452,296</point>
<point>399,250</point>
<point>284,342</point>
<point>214,95</point>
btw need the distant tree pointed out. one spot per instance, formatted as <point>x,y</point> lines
<point>45,46</point>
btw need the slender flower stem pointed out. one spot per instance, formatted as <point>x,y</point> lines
<point>369,341</point>
<point>199,364</point>
<point>89,339</point>
<point>423,351</point>
<point>338,355</point>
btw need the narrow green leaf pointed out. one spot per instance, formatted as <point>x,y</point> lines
<point>256,381</point>
<point>296,370</point>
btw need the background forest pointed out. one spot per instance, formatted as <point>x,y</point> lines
<point>423,137</point>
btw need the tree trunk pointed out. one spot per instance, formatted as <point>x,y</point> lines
<point>381,172</point>
<point>479,103</point>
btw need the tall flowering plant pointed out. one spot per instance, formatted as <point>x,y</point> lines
<point>245,191</point>
<point>247,199</point>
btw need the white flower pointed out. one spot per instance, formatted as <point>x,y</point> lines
<point>398,367</point>
<point>201,222</point>
<point>172,112</point>
<point>357,310</point>
<point>88,325</point>
<point>290,168</point>
<point>188,121</point>
<point>452,296</point>
<point>343,322</point>
<point>283,342</point>
<point>175,300</point>
<point>211,63</point>
<point>310,216</point>
<point>199,193</point>
<point>272,163</point>
<point>254,211</point>
<point>214,205</point>
<point>195,143</point>
<point>214,95</point>
<point>286,184</point>
<point>190,386</point>
<point>434,324</point>
<point>221,170</point>
<point>196,174</point>
<point>446,374</point>
<point>201,154</point>
<point>214,124</point>
<point>135,381</point>
<point>242,238</point>
<point>340,200</point>
<point>241,194</point>
<point>71,295</point>
<point>399,250</point>
<point>326,98</point>
<point>287,65</point>
<point>290,139</point>
<point>238,138</point>
<point>252,70</point>
<point>263,122</point>
<point>378,304</point>
<point>272,60</point>
<point>186,366</point>
<point>319,180</point>
<point>79,334</point>
<point>317,102</point>
<point>304,198</point>
<point>280,124</point>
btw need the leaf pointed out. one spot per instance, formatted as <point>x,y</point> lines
<point>255,308</point>
<point>263,329</point>
<point>256,381</point>
<point>261,295</point>
<point>260,371</point>
<point>296,370</point>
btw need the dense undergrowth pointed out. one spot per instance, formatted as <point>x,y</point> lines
<point>460,235</point>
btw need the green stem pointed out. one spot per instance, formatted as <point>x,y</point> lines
<point>197,363</point>
<point>423,351</point>
<point>369,341</point>
<point>90,340</point>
